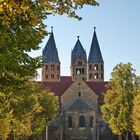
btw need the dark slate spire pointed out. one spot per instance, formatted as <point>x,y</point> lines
<point>50,53</point>
<point>77,52</point>
<point>95,55</point>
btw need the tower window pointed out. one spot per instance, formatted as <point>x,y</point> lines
<point>52,67</point>
<point>79,93</point>
<point>83,71</point>
<point>69,122</point>
<point>46,67</point>
<point>78,71</point>
<point>52,76</point>
<point>96,67</point>
<point>90,67</point>
<point>47,76</point>
<point>91,121</point>
<point>102,67</point>
<point>96,76</point>
<point>79,63</point>
<point>82,121</point>
<point>102,75</point>
<point>90,76</point>
<point>58,68</point>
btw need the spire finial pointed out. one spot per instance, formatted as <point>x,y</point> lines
<point>78,36</point>
<point>52,29</point>
<point>94,28</point>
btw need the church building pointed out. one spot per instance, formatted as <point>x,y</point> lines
<point>80,95</point>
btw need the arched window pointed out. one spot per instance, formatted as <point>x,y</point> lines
<point>52,76</point>
<point>96,76</point>
<point>81,121</point>
<point>79,63</point>
<point>90,76</point>
<point>58,68</point>
<point>83,71</point>
<point>47,76</point>
<point>102,76</point>
<point>46,67</point>
<point>78,71</point>
<point>79,93</point>
<point>90,67</point>
<point>102,67</point>
<point>69,122</point>
<point>91,121</point>
<point>96,67</point>
<point>52,67</point>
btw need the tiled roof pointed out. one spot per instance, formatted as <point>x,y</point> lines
<point>77,52</point>
<point>60,87</point>
<point>79,104</point>
<point>50,53</point>
<point>95,55</point>
<point>98,87</point>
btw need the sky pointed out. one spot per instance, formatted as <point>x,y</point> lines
<point>117,25</point>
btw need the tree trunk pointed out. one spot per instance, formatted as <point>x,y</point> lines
<point>119,137</point>
<point>127,134</point>
<point>133,136</point>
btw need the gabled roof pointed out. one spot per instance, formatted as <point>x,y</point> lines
<point>50,53</point>
<point>77,52</point>
<point>98,87</point>
<point>60,87</point>
<point>79,104</point>
<point>95,55</point>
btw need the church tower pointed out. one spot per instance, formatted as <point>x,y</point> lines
<point>78,62</point>
<point>51,63</point>
<point>95,65</point>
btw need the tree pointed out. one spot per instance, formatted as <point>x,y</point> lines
<point>5,116</point>
<point>118,100</point>
<point>27,111</point>
<point>21,30</point>
<point>136,114</point>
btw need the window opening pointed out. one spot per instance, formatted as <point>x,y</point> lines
<point>52,67</point>
<point>69,121</point>
<point>96,67</point>
<point>81,121</point>
<point>96,75</point>
<point>79,93</point>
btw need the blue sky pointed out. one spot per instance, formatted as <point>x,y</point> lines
<point>117,26</point>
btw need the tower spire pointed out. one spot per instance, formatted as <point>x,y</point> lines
<point>51,29</point>
<point>95,61</point>
<point>78,61</point>
<point>51,69</point>
<point>95,52</point>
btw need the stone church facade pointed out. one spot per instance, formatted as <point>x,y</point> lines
<point>80,95</point>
